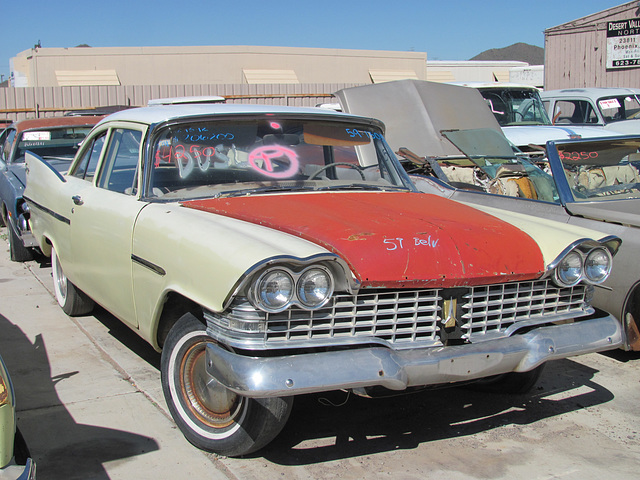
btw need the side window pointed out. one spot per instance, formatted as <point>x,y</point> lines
<point>86,168</point>
<point>119,173</point>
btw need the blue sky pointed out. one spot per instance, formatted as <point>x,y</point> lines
<point>445,29</point>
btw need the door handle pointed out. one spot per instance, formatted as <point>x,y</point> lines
<point>77,199</point>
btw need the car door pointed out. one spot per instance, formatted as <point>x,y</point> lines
<point>104,213</point>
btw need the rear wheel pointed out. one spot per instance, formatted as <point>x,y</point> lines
<point>73,301</point>
<point>17,250</point>
<point>209,415</point>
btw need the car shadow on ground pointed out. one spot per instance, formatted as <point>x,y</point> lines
<point>336,426</point>
<point>61,447</point>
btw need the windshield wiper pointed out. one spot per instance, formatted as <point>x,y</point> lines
<point>270,189</point>
<point>362,186</point>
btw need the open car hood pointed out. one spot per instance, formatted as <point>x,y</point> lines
<point>396,239</point>
<point>415,112</point>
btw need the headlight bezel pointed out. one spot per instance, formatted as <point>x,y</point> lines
<point>583,252</point>
<point>256,289</point>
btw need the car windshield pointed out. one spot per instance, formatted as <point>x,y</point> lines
<point>516,106</point>
<point>270,154</point>
<point>491,165</point>
<point>622,107</point>
<point>602,170</point>
<point>59,143</point>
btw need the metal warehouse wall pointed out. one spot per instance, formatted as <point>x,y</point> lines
<point>34,102</point>
<point>576,52</point>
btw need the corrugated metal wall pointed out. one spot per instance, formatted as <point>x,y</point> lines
<point>576,52</point>
<point>32,102</point>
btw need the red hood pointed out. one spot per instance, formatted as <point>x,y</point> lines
<point>396,239</point>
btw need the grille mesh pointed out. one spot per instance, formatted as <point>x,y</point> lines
<point>403,318</point>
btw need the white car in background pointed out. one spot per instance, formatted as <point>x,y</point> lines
<point>613,109</point>
<point>524,121</point>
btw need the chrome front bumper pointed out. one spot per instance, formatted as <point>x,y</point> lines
<point>397,370</point>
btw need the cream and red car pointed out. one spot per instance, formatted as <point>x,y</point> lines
<point>272,251</point>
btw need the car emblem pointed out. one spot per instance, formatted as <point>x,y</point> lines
<point>449,310</point>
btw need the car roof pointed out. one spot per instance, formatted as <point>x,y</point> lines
<point>593,93</point>
<point>50,122</point>
<point>161,113</point>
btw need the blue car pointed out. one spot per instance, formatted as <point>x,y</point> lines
<point>56,139</point>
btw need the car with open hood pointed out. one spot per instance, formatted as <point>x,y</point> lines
<point>459,153</point>
<point>57,139</point>
<point>271,252</point>
<point>613,109</point>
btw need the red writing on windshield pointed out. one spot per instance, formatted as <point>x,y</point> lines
<point>577,156</point>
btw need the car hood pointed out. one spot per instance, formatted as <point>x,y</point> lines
<point>396,239</point>
<point>541,134</point>
<point>624,212</point>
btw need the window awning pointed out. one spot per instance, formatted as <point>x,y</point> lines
<point>440,76</point>
<point>74,78</point>
<point>254,76</point>
<point>381,76</point>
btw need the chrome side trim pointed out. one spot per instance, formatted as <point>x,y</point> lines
<point>397,370</point>
<point>151,266</point>
<point>48,211</point>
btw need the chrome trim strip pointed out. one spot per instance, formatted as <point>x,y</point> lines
<point>48,211</point>
<point>151,266</point>
<point>397,370</point>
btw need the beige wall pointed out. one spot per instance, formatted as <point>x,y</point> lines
<point>210,65</point>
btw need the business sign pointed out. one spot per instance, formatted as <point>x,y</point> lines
<point>623,43</point>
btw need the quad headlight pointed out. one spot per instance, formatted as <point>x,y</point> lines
<point>279,288</point>
<point>592,266</point>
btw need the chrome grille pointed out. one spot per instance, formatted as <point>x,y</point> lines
<point>402,318</point>
<point>397,317</point>
<point>495,308</point>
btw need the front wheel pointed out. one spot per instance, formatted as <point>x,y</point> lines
<point>209,415</point>
<point>73,301</point>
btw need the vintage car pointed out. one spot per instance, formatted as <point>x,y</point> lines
<point>614,109</point>
<point>56,139</point>
<point>461,155</point>
<point>524,120</point>
<point>273,251</point>
<point>15,459</point>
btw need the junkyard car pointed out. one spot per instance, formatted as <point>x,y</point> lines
<point>15,459</point>
<point>590,182</point>
<point>272,251</point>
<point>57,140</point>
<point>524,120</point>
<point>614,109</point>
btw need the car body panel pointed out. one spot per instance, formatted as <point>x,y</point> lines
<point>11,466</point>
<point>424,236</point>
